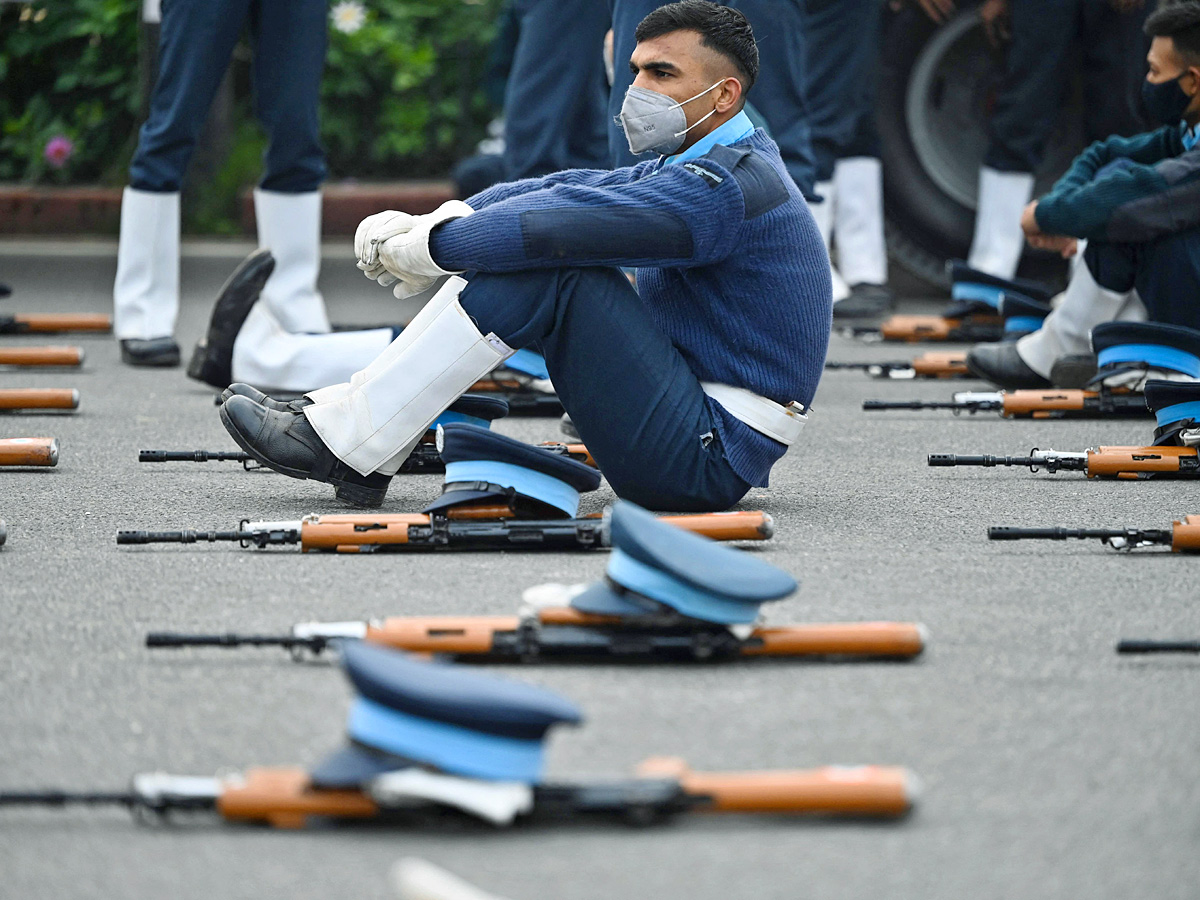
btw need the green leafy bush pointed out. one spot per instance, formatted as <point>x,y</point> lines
<point>401,96</point>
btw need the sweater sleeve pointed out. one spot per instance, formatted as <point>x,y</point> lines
<point>677,217</point>
<point>1107,176</point>
<point>593,177</point>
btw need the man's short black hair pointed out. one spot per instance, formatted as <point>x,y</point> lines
<point>721,28</point>
<point>1180,21</point>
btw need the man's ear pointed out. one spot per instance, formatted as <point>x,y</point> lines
<point>729,94</point>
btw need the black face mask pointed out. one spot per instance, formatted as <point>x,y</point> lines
<point>1166,101</point>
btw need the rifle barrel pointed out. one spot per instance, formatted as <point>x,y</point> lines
<point>193,456</point>
<point>63,798</point>
<point>1132,535</point>
<point>971,406</point>
<point>1141,646</point>
<point>180,537</point>
<point>173,639</point>
<point>950,459</point>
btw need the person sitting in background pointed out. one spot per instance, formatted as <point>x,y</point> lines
<point>1129,210</point>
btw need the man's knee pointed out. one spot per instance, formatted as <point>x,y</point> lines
<point>1113,266</point>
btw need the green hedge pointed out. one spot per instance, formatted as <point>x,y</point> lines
<point>401,94</point>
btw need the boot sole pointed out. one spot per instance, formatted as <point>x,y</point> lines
<point>356,494</point>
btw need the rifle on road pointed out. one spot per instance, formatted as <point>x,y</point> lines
<point>1182,537</point>
<point>974,329</point>
<point>55,323</point>
<point>29,452</point>
<point>424,459</point>
<point>1126,463</point>
<point>455,528</point>
<point>564,634</point>
<point>41,356</point>
<point>928,365</point>
<point>1051,404</point>
<point>661,790</point>
<point>38,399</point>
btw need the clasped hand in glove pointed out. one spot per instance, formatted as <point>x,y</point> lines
<point>393,246</point>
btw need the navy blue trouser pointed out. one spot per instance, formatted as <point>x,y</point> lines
<point>557,94</point>
<point>637,405</point>
<point>843,79</point>
<point>1046,36</point>
<point>779,93</point>
<point>197,38</point>
<point>1166,273</point>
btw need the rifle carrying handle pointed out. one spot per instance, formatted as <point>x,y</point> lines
<point>41,356</point>
<point>39,398</point>
<point>56,322</point>
<point>29,452</point>
<point>831,790</point>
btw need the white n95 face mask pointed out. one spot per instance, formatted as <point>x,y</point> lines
<point>654,122</point>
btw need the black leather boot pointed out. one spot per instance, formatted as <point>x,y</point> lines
<point>212,360</point>
<point>160,352</point>
<point>287,443</point>
<point>237,389</point>
<point>1002,366</point>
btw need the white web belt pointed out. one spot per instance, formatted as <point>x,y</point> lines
<point>781,423</point>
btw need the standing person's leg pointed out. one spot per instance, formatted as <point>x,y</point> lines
<point>1114,67</point>
<point>557,89</point>
<point>637,406</point>
<point>625,18</point>
<point>196,41</point>
<point>779,94</point>
<point>289,38</point>
<point>1036,73</point>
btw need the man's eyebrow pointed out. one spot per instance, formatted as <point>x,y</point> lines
<point>653,66</point>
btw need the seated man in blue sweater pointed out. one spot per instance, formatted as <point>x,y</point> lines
<point>686,390</point>
<point>1136,201</point>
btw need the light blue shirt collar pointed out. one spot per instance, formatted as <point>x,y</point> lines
<point>1191,136</point>
<point>736,129</point>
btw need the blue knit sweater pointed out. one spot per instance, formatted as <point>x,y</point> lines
<point>730,265</point>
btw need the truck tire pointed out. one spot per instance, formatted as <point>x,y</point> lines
<point>937,88</point>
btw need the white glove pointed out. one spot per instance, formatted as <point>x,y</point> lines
<point>406,254</point>
<point>373,231</point>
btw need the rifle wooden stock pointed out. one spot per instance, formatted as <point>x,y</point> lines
<point>1185,535</point>
<point>1133,462</point>
<point>285,798</point>
<point>39,398</point>
<point>949,364</point>
<point>912,329</point>
<point>41,356</point>
<point>476,635</point>
<point>832,790</point>
<point>741,525</point>
<point>29,452</point>
<point>51,323</point>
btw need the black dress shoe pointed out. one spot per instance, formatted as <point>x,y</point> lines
<point>1002,366</point>
<point>287,443</point>
<point>238,389</point>
<point>212,360</point>
<point>865,300</point>
<point>159,352</point>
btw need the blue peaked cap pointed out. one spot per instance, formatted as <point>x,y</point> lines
<point>473,409</point>
<point>972,290</point>
<point>654,562</point>
<point>481,464</point>
<point>445,716</point>
<point>1124,346</point>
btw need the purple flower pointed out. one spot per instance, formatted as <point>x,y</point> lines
<point>58,150</point>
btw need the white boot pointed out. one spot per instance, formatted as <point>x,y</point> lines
<point>372,427</point>
<point>146,292</point>
<point>289,225</point>
<point>998,242</point>
<point>1067,331</point>
<point>858,221</point>
<point>275,360</point>
<point>823,214</point>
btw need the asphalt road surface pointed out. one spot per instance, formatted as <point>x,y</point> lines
<point>1051,767</point>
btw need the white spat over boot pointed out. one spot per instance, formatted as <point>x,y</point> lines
<point>146,291</point>
<point>372,425</point>
<point>824,213</point>
<point>289,225</point>
<point>998,241</point>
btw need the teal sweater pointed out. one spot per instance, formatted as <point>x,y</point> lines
<point>1127,190</point>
